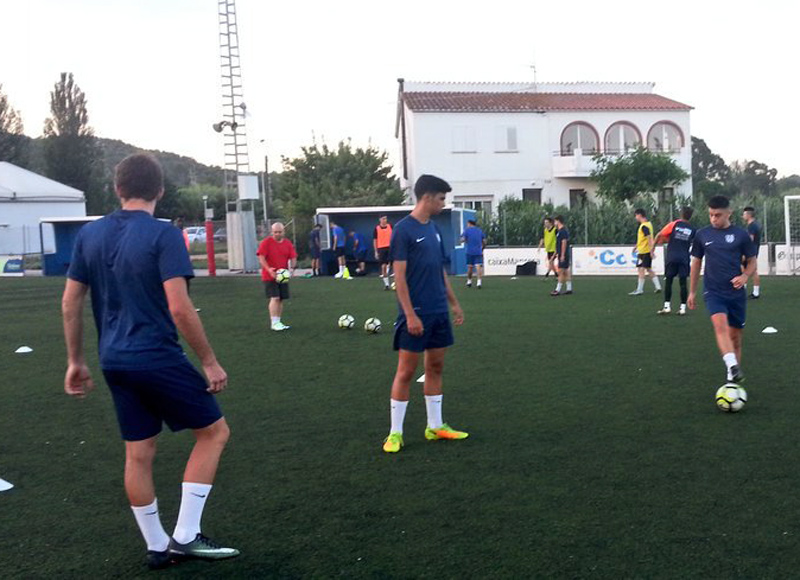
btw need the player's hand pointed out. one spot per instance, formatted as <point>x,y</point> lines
<point>739,281</point>
<point>414,326</point>
<point>78,380</point>
<point>458,315</point>
<point>216,376</point>
<point>271,272</point>
<point>691,302</point>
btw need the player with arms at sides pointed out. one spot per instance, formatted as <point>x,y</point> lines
<point>423,324</point>
<point>136,268</point>
<point>645,250</point>
<point>381,241</point>
<point>475,240</point>
<point>548,240</point>
<point>315,249</point>
<point>564,256</point>
<point>723,246</point>
<point>679,235</point>
<point>275,253</point>
<point>754,231</point>
<point>338,242</point>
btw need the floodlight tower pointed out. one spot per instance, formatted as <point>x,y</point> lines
<point>240,223</point>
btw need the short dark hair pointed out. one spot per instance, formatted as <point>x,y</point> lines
<point>750,209</point>
<point>687,212</point>
<point>719,202</point>
<point>139,176</point>
<point>640,211</point>
<point>473,222</point>
<point>547,218</point>
<point>559,218</point>
<point>430,184</point>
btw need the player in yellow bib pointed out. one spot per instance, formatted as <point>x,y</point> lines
<point>645,247</point>
<point>548,240</point>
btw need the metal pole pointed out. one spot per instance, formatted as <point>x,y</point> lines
<point>586,223</point>
<point>505,235</point>
<point>264,199</point>
<point>766,236</point>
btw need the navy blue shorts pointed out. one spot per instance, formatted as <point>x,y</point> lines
<point>679,269</point>
<point>315,253</point>
<point>173,395</point>
<point>339,251</point>
<point>437,333</point>
<point>734,305</point>
<point>474,259</point>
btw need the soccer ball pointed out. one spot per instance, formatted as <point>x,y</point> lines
<point>282,276</point>
<point>731,397</point>
<point>372,325</point>
<point>394,286</point>
<point>346,322</point>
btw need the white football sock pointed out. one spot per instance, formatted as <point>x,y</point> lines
<point>275,319</point>
<point>385,280</point>
<point>569,285</point>
<point>193,500</point>
<point>667,306</point>
<point>730,359</point>
<point>433,404</point>
<point>640,285</point>
<point>756,290</point>
<point>479,281</point>
<point>398,413</point>
<point>558,287</point>
<point>657,282</point>
<point>150,525</point>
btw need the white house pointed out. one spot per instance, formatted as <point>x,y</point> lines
<point>533,141</point>
<point>25,198</point>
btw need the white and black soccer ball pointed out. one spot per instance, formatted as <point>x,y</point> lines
<point>372,325</point>
<point>346,322</point>
<point>282,276</point>
<point>731,398</point>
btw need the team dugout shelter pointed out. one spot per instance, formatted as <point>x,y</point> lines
<point>451,222</point>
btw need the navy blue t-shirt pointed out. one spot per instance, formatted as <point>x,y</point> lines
<point>125,258</point>
<point>562,234</point>
<point>313,240</point>
<point>723,250</point>
<point>474,236</point>
<point>421,247</point>
<point>680,242</point>
<point>754,229</point>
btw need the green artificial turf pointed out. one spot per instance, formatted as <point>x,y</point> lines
<point>595,448</point>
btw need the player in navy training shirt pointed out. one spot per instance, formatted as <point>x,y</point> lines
<point>724,283</point>
<point>475,240</point>
<point>563,257</point>
<point>754,230</point>
<point>680,234</point>
<point>423,324</point>
<point>136,268</point>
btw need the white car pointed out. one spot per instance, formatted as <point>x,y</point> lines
<point>196,234</point>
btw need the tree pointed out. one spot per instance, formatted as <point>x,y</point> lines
<point>637,172</point>
<point>707,165</point>
<point>754,178</point>
<point>344,176</point>
<point>71,153</point>
<point>13,144</point>
<point>785,184</point>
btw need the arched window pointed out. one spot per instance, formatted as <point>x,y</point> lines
<point>622,136</point>
<point>579,135</point>
<point>665,136</point>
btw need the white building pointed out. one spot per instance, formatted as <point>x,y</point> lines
<point>531,141</point>
<point>26,198</point>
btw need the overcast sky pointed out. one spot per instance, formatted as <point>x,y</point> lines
<point>150,68</point>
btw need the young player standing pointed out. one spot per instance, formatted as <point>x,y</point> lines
<point>724,284</point>
<point>564,254</point>
<point>381,241</point>
<point>136,267</point>
<point>315,249</point>
<point>276,252</point>
<point>754,231</point>
<point>475,240</point>
<point>644,251</point>
<point>548,240</point>
<point>339,240</point>
<point>679,234</point>
<point>423,324</point>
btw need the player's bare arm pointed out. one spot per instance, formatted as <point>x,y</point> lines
<point>740,281</point>
<point>458,313</point>
<point>413,323</point>
<point>263,261</point>
<point>694,278</point>
<point>77,380</point>
<point>190,327</point>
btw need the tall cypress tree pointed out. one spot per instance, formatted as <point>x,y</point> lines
<point>13,143</point>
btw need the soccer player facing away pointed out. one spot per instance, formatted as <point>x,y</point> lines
<point>564,255</point>
<point>548,240</point>
<point>754,231</point>
<point>645,248</point>
<point>475,240</point>
<point>274,253</point>
<point>724,246</point>
<point>339,242</point>
<point>136,268</point>
<point>381,242</point>
<point>679,235</point>
<point>423,324</point>
<point>315,249</point>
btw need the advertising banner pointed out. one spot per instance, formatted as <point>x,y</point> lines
<point>11,266</point>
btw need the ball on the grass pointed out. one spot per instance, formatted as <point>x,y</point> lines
<point>346,322</point>
<point>394,286</point>
<point>372,325</point>
<point>731,397</point>
<point>282,276</point>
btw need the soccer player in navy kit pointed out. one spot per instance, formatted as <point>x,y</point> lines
<point>754,230</point>
<point>137,268</point>
<point>475,240</point>
<point>724,283</point>
<point>563,257</point>
<point>680,234</point>
<point>423,324</point>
